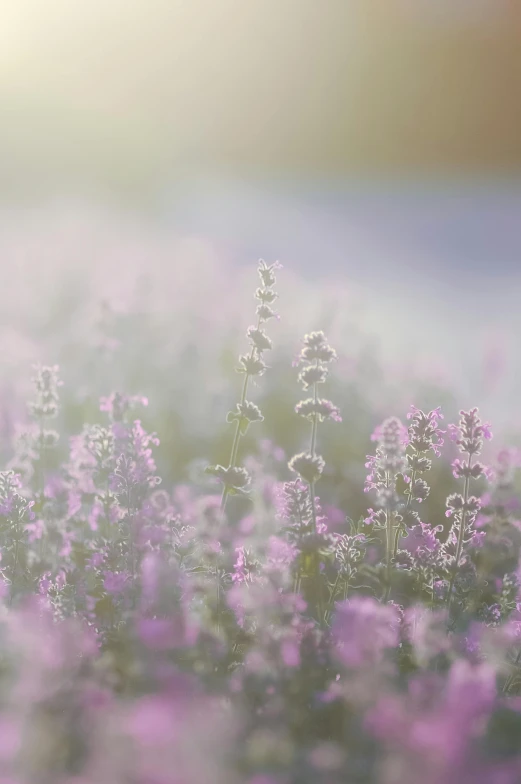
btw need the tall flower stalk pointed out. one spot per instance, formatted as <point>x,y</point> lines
<point>396,475</point>
<point>314,359</point>
<point>15,514</point>
<point>423,436</point>
<point>385,466</point>
<point>469,436</point>
<point>35,446</point>
<point>234,478</point>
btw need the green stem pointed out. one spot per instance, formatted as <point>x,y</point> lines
<point>407,505</point>
<point>397,535</point>
<point>218,603</point>
<point>316,560</point>
<point>510,678</point>
<point>389,517</point>
<point>461,534</point>
<point>333,591</point>
<point>388,539</point>
<point>237,436</point>
<point>296,584</point>
<point>15,568</point>
<point>329,611</point>
<point>40,486</point>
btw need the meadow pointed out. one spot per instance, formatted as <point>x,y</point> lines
<point>238,542</point>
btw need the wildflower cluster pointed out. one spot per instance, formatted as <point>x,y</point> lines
<point>396,477</point>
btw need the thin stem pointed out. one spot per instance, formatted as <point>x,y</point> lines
<point>316,560</point>
<point>296,582</point>
<point>15,568</point>
<point>329,611</point>
<point>397,536</point>
<point>218,602</point>
<point>316,565</point>
<point>407,505</point>
<point>461,533</point>
<point>131,544</point>
<point>389,518</point>
<point>237,436</point>
<point>510,678</point>
<point>333,590</point>
<point>315,420</point>
<point>40,485</point>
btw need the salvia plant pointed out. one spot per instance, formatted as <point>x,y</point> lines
<point>313,359</point>
<point>150,634</point>
<point>234,478</point>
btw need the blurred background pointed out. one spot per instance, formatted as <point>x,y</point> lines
<point>152,150</point>
<point>131,95</point>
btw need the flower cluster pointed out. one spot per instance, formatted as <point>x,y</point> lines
<point>147,637</point>
<point>423,435</point>
<point>396,476</point>
<point>307,534</point>
<point>46,402</point>
<point>388,462</point>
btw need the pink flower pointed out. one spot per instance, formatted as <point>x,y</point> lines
<point>115,582</point>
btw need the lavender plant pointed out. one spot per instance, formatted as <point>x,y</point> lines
<point>396,475</point>
<point>35,446</point>
<point>469,436</point>
<point>314,359</point>
<point>235,479</point>
<point>386,467</point>
<point>16,513</point>
<point>39,437</point>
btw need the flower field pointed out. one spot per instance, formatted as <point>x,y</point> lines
<point>238,545</point>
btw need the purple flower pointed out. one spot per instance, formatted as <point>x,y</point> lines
<point>259,339</point>
<point>470,433</point>
<point>245,566</point>
<point>233,478</point>
<point>320,408</point>
<point>316,349</point>
<point>309,467</point>
<point>364,630</point>
<point>245,414</point>
<point>388,462</point>
<point>424,432</point>
<point>115,582</point>
<point>421,540</point>
<point>160,634</point>
<point>267,272</point>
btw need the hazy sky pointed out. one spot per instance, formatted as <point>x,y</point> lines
<point>128,94</point>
